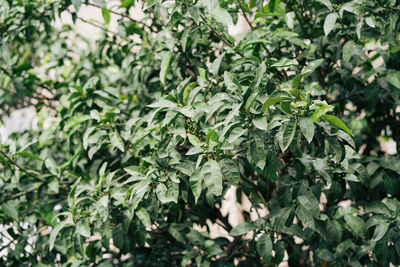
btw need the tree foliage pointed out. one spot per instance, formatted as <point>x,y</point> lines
<point>151,124</point>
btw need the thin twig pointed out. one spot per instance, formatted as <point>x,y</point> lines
<point>252,28</point>
<point>220,36</point>
<point>119,14</point>
<point>22,168</point>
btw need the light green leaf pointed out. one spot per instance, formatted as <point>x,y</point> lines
<point>272,101</point>
<point>307,128</point>
<point>326,3</point>
<point>126,3</point>
<point>221,15</point>
<point>82,229</point>
<point>230,171</point>
<point>106,15</point>
<point>77,4</point>
<point>330,22</point>
<point>394,78</point>
<point>51,165</point>
<point>336,121</point>
<point>214,67</point>
<point>242,229</point>
<point>289,19</point>
<point>194,140</point>
<point>144,217</point>
<point>10,210</point>
<point>116,141</point>
<point>57,229</point>
<point>77,119</point>
<point>212,177</point>
<point>370,21</point>
<point>195,182</point>
<point>264,248</point>
<point>347,51</point>
<point>380,231</point>
<point>161,192</point>
<point>289,132</point>
<point>165,66</point>
<point>232,83</point>
<point>29,155</point>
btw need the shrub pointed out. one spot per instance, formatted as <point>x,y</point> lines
<point>142,132</point>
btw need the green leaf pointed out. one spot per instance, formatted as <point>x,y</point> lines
<point>257,150</point>
<point>305,217</point>
<point>165,66</point>
<point>289,131</point>
<point>307,128</point>
<point>221,15</point>
<point>194,140</point>
<point>394,78</point>
<point>310,203</point>
<point>126,3</point>
<point>356,224</point>
<point>347,51</point>
<point>57,229</point>
<point>10,210</point>
<point>242,229</point>
<point>161,191</point>
<point>272,101</point>
<point>380,231</point>
<point>144,217</point>
<point>77,4</point>
<point>230,171</point>
<point>326,3</point>
<point>116,141</point>
<point>82,229</point>
<point>214,67</point>
<point>51,165</point>
<point>77,119</point>
<point>232,83</point>
<point>196,184</point>
<point>264,248</point>
<point>106,15</point>
<point>330,22</point>
<point>212,177</point>
<point>336,121</point>
<point>29,155</point>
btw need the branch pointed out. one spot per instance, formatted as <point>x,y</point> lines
<point>220,36</point>
<point>119,14</point>
<point>22,168</point>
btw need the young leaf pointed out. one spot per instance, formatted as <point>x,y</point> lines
<point>126,3</point>
<point>336,121</point>
<point>272,101</point>
<point>330,22</point>
<point>212,177</point>
<point>106,15</point>
<point>264,248</point>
